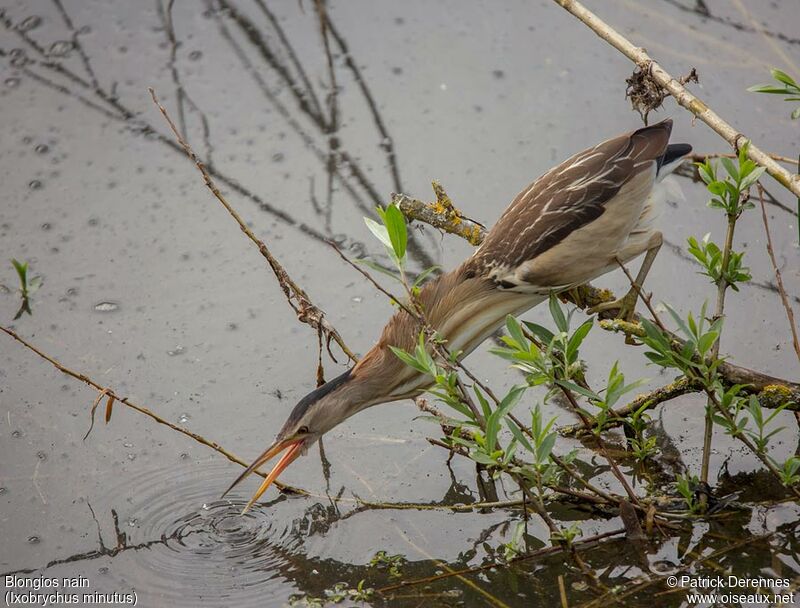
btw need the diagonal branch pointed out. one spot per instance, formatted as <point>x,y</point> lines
<point>306,311</point>
<point>680,93</point>
<point>108,391</point>
<point>778,278</point>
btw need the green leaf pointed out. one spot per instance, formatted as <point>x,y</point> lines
<point>519,435</point>
<point>752,177</point>
<point>487,410</point>
<point>768,88</point>
<point>544,334</point>
<point>579,389</point>
<point>717,188</point>
<point>22,271</point>
<point>706,341</point>
<point>482,458</point>
<point>510,400</point>
<point>379,231</point>
<point>425,274</point>
<point>679,321</point>
<point>706,171</point>
<point>545,448</point>
<point>730,168</point>
<point>396,227</point>
<point>558,314</point>
<point>796,113</point>
<point>410,360</point>
<point>515,331</point>
<point>577,338</point>
<point>783,77</point>
<point>378,268</point>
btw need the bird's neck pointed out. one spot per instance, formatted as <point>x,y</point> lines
<point>462,305</point>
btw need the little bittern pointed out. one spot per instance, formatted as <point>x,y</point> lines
<point>576,222</point>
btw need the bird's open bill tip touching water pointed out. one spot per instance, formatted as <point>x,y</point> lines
<point>581,219</point>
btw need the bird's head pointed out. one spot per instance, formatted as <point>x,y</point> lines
<point>314,415</point>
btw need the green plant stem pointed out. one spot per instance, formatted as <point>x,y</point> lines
<point>722,287</point>
<point>711,396</point>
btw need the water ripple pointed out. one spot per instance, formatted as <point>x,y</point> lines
<point>200,547</point>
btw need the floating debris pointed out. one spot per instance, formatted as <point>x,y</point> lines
<point>106,306</point>
<point>60,48</point>
<point>29,23</point>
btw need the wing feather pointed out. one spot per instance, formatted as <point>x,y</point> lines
<point>566,198</point>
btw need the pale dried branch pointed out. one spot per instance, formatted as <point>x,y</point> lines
<point>679,92</point>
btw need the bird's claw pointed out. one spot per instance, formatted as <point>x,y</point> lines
<point>626,306</point>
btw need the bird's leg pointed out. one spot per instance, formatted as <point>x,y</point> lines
<point>627,303</point>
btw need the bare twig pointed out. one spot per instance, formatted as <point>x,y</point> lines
<point>778,278</point>
<point>295,296</point>
<point>680,93</point>
<point>105,390</point>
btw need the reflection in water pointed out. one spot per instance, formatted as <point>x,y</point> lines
<point>175,540</point>
<point>184,547</point>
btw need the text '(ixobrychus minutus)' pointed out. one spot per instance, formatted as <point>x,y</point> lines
<point>576,222</point>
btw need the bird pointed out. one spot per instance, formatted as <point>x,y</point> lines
<point>583,218</point>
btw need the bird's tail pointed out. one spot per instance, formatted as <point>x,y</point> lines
<point>672,158</point>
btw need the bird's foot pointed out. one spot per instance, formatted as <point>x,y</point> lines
<point>627,310</point>
<point>626,306</point>
<point>574,295</point>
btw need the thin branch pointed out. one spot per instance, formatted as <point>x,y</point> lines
<point>647,401</point>
<point>680,93</point>
<point>105,390</point>
<point>778,278</point>
<point>701,158</point>
<point>295,296</point>
<point>719,313</point>
<point>446,220</point>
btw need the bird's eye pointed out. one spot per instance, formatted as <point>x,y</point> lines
<point>303,430</point>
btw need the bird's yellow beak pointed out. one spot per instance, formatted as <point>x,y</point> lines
<point>293,448</point>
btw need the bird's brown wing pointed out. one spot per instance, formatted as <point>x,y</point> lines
<point>566,198</point>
